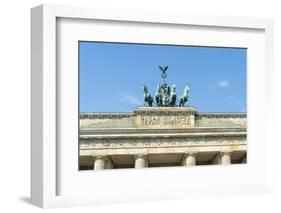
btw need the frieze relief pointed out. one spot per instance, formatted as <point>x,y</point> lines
<point>160,142</point>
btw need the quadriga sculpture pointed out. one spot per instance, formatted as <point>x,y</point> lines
<point>165,95</point>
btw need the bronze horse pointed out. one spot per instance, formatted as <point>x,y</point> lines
<point>184,97</point>
<point>146,96</point>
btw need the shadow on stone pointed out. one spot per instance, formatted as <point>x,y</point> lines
<point>25,199</point>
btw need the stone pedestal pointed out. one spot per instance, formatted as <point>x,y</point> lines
<point>141,161</point>
<point>165,117</point>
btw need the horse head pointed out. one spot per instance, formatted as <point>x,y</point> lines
<point>186,90</point>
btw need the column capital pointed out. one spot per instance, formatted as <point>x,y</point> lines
<point>99,162</point>
<point>190,154</point>
<point>225,153</point>
<point>140,160</point>
<point>189,159</point>
<point>102,157</point>
<point>140,155</point>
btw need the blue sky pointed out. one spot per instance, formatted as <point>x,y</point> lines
<point>112,75</point>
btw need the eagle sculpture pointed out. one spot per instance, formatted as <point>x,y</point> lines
<point>164,71</point>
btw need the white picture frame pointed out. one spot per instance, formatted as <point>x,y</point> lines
<point>47,165</point>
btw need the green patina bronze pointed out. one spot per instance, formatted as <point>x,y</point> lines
<point>165,95</point>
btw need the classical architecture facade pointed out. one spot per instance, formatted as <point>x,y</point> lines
<point>161,136</point>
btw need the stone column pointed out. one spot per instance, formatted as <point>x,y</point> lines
<point>225,158</point>
<point>189,159</point>
<point>99,162</point>
<point>140,161</point>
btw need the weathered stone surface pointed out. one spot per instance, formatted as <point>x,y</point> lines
<point>140,161</point>
<point>100,123</point>
<point>165,136</point>
<point>91,121</point>
<point>221,120</point>
<point>189,159</point>
<point>225,158</point>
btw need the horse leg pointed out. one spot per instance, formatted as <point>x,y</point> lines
<point>150,101</point>
<point>157,101</point>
